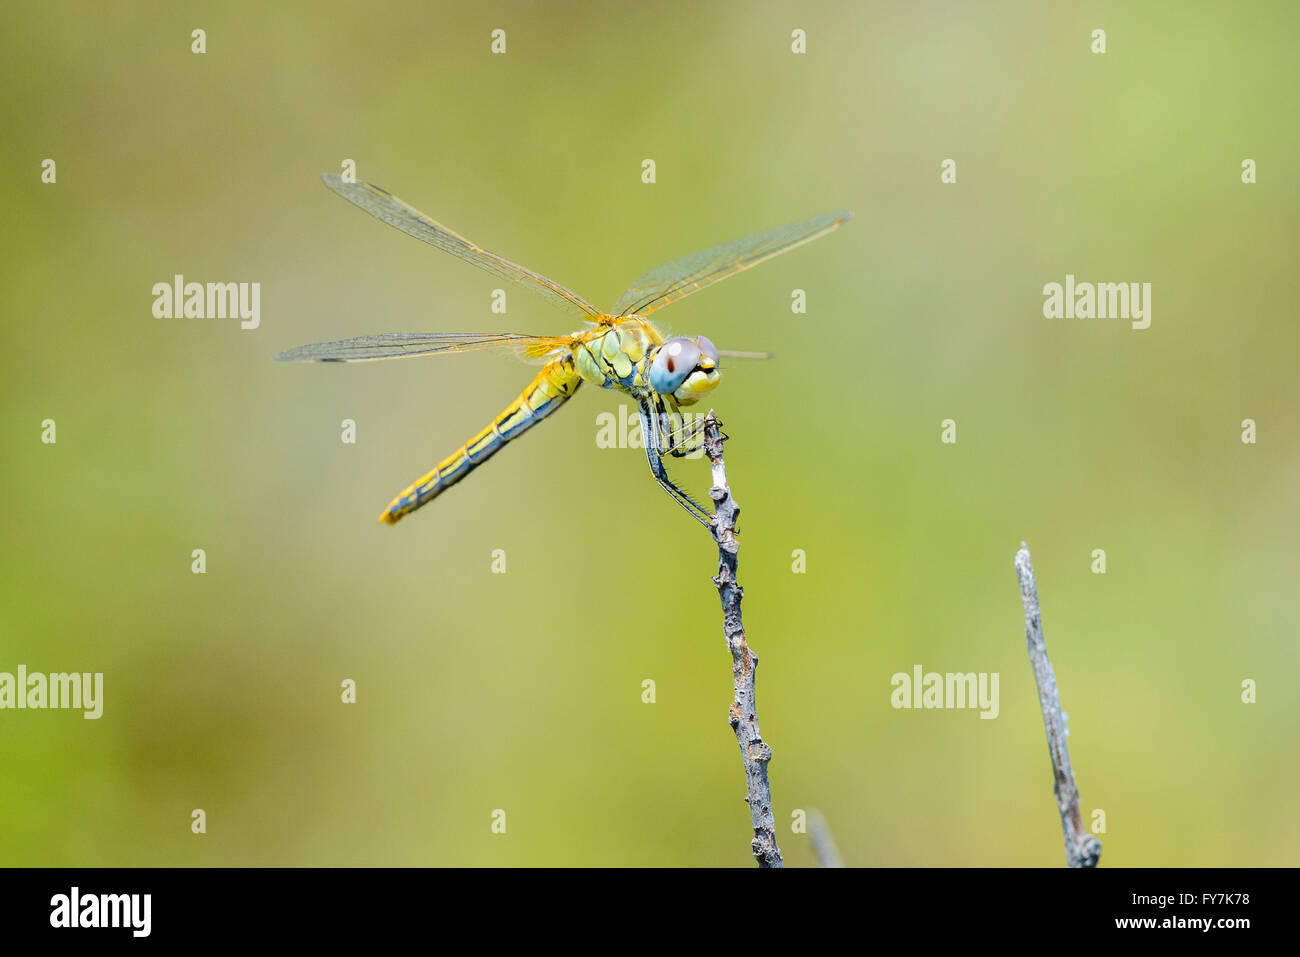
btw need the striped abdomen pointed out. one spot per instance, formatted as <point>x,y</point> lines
<point>547,392</point>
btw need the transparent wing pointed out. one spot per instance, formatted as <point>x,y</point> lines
<point>399,345</point>
<point>681,277</point>
<point>383,205</point>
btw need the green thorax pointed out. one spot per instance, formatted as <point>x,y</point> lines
<point>618,355</point>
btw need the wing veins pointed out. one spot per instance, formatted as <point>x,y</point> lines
<point>386,207</point>
<point>403,345</point>
<point>663,284</point>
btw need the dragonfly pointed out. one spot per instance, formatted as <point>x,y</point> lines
<point>619,349</point>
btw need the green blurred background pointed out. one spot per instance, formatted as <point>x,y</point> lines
<point>522,691</point>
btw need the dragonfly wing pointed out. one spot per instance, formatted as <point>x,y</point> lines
<point>383,205</point>
<point>681,277</point>
<point>399,345</point>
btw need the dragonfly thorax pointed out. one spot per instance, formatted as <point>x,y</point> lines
<point>631,355</point>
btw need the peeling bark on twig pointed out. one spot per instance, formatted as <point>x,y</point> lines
<point>1081,848</point>
<point>743,716</point>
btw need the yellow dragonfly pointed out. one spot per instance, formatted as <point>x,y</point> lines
<point>619,349</point>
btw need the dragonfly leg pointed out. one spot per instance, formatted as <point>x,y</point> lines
<point>655,455</point>
<point>694,508</point>
<point>684,441</point>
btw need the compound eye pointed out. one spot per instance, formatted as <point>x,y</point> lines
<point>708,348</point>
<point>676,360</point>
<point>682,356</point>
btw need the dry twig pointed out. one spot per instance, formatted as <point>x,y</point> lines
<point>754,751</point>
<point>1081,848</point>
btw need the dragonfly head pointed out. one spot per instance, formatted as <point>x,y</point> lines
<point>686,369</point>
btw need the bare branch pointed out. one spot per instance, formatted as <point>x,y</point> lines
<point>1081,848</point>
<point>754,751</point>
<point>828,855</point>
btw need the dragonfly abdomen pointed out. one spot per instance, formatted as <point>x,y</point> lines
<point>557,381</point>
